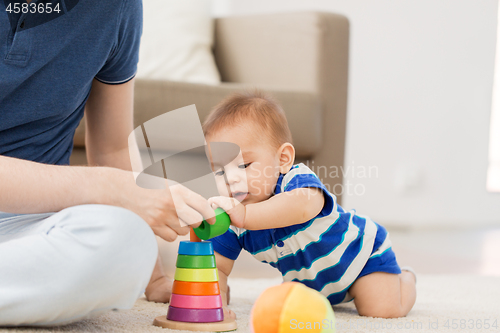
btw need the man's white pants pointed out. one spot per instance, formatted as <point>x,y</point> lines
<point>78,263</point>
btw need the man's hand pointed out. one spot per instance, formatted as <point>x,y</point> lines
<point>168,211</point>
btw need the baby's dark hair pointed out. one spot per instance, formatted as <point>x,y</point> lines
<point>254,106</point>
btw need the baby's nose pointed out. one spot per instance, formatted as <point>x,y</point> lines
<point>233,177</point>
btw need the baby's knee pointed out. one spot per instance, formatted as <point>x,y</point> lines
<point>384,310</point>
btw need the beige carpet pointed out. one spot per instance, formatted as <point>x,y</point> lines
<point>441,299</point>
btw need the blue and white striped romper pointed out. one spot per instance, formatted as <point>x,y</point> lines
<point>327,253</point>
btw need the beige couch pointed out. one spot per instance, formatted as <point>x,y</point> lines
<point>300,58</point>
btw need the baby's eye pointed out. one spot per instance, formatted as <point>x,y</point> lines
<point>219,172</point>
<point>244,166</point>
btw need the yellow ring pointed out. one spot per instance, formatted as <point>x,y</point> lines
<point>196,274</point>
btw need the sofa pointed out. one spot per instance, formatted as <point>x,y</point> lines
<point>299,58</point>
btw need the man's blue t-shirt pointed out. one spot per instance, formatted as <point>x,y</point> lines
<point>47,65</point>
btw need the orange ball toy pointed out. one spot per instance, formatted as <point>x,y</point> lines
<point>292,307</point>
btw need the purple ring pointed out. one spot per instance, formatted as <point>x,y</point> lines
<point>195,315</point>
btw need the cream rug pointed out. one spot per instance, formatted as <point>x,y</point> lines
<point>445,303</point>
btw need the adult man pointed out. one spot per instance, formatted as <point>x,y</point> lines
<point>75,241</point>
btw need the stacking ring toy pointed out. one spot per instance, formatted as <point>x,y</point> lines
<point>195,315</point>
<point>195,288</point>
<point>196,302</point>
<point>185,261</point>
<point>198,275</point>
<point>206,231</point>
<point>196,248</point>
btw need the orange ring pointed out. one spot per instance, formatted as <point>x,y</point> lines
<point>196,288</point>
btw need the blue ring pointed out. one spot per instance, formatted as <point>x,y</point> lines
<point>196,248</point>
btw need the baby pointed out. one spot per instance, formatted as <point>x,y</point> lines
<point>288,219</point>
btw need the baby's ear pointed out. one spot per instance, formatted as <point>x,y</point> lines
<point>287,157</point>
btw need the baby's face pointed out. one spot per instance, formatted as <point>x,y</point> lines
<point>252,176</point>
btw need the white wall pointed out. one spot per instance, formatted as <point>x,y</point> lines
<point>421,74</point>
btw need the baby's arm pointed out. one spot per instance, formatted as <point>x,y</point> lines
<point>282,210</point>
<point>224,266</point>
<point>285,209</point>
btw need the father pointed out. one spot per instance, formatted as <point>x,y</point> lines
<point>75,241</point>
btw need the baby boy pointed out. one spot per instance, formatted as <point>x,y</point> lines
<point>288,219</point>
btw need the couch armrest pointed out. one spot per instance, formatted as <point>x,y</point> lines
<point>294,51</point>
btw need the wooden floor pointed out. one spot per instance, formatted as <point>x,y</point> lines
<point>428,252</point>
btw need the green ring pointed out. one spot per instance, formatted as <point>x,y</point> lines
<point>206,231</point>
<point>186,261</point>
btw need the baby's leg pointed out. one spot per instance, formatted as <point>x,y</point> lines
<point>384,295</point>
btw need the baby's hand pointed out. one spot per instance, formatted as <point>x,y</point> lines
<point>228,313</point>
<point>233,207</point>
<point>159,291</point>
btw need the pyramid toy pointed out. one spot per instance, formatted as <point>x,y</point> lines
<point>196,303</point>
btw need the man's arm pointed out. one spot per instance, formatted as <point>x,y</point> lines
<point>29,187</point>
<point>109,122</point>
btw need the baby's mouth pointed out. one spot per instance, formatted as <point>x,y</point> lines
<point>240,196</point>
